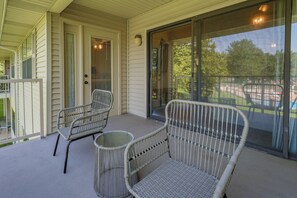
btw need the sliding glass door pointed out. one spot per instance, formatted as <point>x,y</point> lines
<point>246,58</point>
<point>170,67</point>
<point>292,139</point>
<point>241,64</point>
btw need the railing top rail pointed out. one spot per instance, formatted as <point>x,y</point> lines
<point>245,76</point>
<point>20,80</point>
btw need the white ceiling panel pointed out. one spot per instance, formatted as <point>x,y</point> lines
<point>27,5</point>
<point>122,8</point>
<point>43,3</point>
<point>23,16</point>
<point>4,54</point>
<point>9,43</point>
<point>11,37</point>
<point>16,29</point>
<point>19,19</point>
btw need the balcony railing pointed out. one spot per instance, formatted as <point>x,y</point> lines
<point>229,89</point>
<point>21,110</point>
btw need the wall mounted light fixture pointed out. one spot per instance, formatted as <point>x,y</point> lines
<point>138,40</point>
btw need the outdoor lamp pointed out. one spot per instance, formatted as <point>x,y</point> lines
<point>137,40</point>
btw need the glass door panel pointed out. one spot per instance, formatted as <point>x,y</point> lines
<point>100,64</point>
<point>171,67</point>
<point>101,68</point>
<point>242,55</point>
<point>69,70</point>
<point>293,86</point>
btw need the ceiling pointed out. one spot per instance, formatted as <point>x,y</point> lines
<point>18,17</point>
<point>122,8</point>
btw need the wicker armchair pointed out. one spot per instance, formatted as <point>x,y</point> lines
<point>78,122</point>
<point>195,152</point>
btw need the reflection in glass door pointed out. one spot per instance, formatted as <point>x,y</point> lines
<point>171,67</point>
<point>293,85</point>
<point>100,64</point>
<point>238,60</point>
<point>242,65</point>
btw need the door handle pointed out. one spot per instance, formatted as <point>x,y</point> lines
<point>86,82</point>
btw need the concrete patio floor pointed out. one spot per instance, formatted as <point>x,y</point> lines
<point>29,170</point>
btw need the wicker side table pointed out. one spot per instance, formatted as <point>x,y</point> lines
<point>109,165</point>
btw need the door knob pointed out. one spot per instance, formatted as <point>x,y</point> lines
<point>86,82</point>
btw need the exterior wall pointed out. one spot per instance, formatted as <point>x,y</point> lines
<point>83,15</point>
<point>137,55</point>
<point>41,68</point>
<point>25,96</point>
<point>56,70</point>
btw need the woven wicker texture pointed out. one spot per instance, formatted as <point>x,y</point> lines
<point>78,121</point>
<point>175,179</point>
<point>203,139</point>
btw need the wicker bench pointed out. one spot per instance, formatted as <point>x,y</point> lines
<point>195,151</point>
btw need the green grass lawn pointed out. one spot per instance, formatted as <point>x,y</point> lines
<point>4,145</point>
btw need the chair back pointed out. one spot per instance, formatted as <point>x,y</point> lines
<point>204,135</point>
<point>265,96</point>
<point>101,100</point>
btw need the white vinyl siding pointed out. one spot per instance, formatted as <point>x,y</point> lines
<point>25,97</point>
<point>103,20</point>
<point>56,70</point>
<point>41,65</point>
<point>137,55</point>
<point>81,14</point>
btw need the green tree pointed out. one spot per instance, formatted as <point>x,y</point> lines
<point>269,67</point>
<point>213,64</point>
<point>244,58</point>
<point>294,64</point>
<point>2,63</point>
<point>182,67</point>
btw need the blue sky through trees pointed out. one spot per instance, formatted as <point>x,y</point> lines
<point>269,40</point>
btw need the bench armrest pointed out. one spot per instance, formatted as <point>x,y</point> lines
<point>142,152</point>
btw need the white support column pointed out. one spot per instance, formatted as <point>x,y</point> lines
<point>48,93</point>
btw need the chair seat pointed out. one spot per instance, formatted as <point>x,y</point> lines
<point>64,131</point>
<point>175,179</point>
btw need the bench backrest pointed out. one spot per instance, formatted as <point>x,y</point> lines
<point>205,135</point>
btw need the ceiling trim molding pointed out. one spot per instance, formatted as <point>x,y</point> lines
<point>60,5</point>
<point>2,17</point>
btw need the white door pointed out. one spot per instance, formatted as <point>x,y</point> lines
<point>101,64</point>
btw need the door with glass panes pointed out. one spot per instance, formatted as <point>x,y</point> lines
<point>100,69</point>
